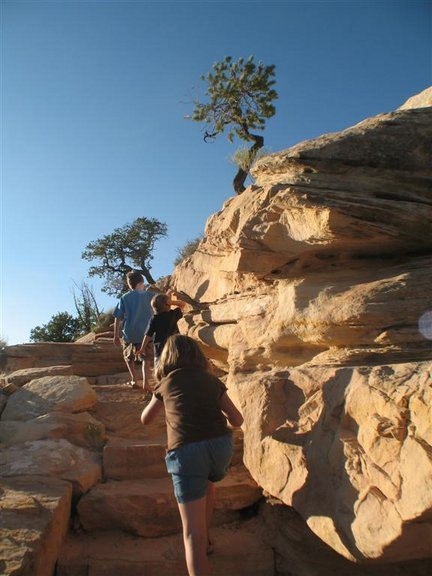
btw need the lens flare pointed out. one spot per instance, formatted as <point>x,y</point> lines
<point>425,325</point>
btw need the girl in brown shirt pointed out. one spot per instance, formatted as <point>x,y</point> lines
<point>197,412</point>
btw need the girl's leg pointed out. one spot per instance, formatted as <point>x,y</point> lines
<point>210,500</point>
<point>194,520</point>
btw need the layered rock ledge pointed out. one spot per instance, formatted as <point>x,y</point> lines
<point>312,286</point>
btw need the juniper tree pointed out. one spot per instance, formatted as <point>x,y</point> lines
<point>240,99</point>
<point>62,327</point>
<point>127,248</point>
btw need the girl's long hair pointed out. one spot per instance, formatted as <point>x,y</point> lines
<point>180,351</point>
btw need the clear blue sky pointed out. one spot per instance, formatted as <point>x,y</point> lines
<point>94,95</point>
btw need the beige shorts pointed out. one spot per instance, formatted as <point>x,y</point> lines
<point>130,352</point>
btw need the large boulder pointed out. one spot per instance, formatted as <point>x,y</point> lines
<point>45,429</point>
<point>21,377</point>
<point>81,429</point>
<point>34,519</point>
<point>311,287</point>
<point>50,393</point>
<point>53,458</point>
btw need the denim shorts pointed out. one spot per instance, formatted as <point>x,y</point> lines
<point>192,465</point>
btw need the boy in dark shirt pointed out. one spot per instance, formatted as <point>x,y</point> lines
<point>164,322</point>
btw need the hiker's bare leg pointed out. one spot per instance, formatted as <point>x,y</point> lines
<point>194,520</point>
<point>210,500</point>
<point>146,367</point>
<point>131,368</point>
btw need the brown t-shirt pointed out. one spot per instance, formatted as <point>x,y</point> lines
<point>192,411</point>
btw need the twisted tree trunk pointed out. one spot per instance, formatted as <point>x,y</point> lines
<point>240,177</point>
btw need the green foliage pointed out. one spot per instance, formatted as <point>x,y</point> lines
<point>240,98</point>
<point>127,248</point>
<point>3,342</point>
<point>104,321</point>
<point>188,249</point>
<point>244,158</point>
<point>93,435</point>
<point>62,327</point>
<point>86,306</point>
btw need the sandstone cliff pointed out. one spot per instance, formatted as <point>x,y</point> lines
<point>311,287</point>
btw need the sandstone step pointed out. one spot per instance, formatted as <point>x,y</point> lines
<point>148,508</point>
<point>130,459</point>
<point>133,460</point>
<point>122,418</point>
<point>239,550</point>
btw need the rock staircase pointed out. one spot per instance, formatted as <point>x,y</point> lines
<point>129,525</point>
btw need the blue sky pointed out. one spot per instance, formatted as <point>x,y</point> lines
<point>94,98</point>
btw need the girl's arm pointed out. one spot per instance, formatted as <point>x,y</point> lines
<point>230,410</point>
<point>153,408</point>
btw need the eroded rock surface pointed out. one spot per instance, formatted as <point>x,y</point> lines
<point>314,281</point>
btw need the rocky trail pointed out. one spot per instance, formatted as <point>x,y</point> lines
<point>129,524</point>
<point>84,492</point>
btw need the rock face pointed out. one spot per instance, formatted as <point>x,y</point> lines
<point>312,285</point>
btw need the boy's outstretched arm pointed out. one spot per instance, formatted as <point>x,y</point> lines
<point>175,301</point>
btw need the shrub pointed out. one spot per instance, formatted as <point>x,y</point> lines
<point>188,249</point>
<point>104,321</point>
<point>245,159</point>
